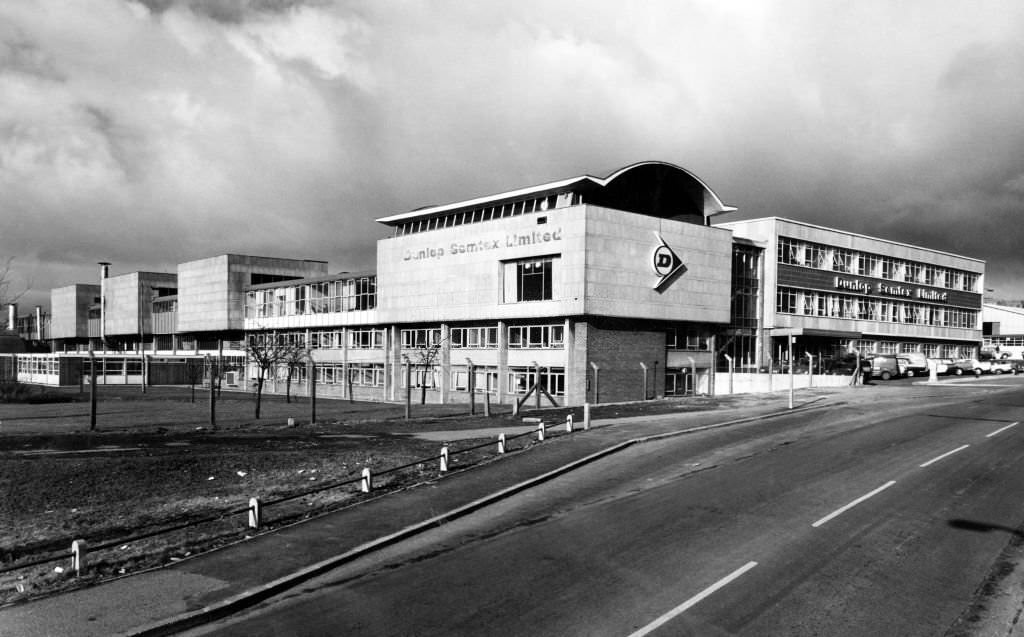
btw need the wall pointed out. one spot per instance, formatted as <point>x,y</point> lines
<point>69,308</point>
<point>764,383</point>
<point>620,275</point>
<point>211,292</point>
<point>618,352</point>
<point>455,274</point>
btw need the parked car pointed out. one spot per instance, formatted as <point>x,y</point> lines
<point>943,365</point>
<point>1016,365</point>
<point>1003,366</point>
<point>884,366</point>
<point>969,366</point>
<point>910,367</point>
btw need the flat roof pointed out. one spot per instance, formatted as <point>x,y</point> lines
<point>563,185</point>
<point>726,224</point>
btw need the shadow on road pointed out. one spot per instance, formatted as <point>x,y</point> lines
<point>982,527</point>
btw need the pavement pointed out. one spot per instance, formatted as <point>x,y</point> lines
<point>213,585</point>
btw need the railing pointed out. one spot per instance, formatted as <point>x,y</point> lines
<point>255,508</point>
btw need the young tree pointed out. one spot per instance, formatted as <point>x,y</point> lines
<point>425,357</point>
<point>267,351</point>
<point>293,360</point>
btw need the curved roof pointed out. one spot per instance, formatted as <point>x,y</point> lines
<point>653,188</point>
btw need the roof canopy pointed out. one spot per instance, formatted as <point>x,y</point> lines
<point>654,188</point>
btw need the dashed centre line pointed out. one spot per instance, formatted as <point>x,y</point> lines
<point>999,431</point>
<point>693,601</point>
<point>849,506</point>
<point>948,453</point>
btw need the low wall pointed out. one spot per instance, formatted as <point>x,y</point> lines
<point>764,383</point>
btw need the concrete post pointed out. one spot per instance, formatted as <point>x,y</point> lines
<point>255,513</point>
<point>729,359</point>
<point>540,432</point>
<point>501,443</point>
<point>367,482</point>
<point>444,458</point>
<point>586,416</point>
<point>469,385</point>
<point>78,557</point>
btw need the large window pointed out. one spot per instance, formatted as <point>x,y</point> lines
<point>420,338</point>
<point>522,379</point>
<point>474,337</point>
<point>366,339</point>
<point>529,279</point>
<point>536,336</point>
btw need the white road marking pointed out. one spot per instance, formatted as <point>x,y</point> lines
<point>998,431</point>
<point>849,506</point>
<point>948,453</point>
<point>693,601</point>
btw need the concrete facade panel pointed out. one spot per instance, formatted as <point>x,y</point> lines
<point>620,275</point>
<point>457,273</point>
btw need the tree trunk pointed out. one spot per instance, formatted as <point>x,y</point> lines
<point>259,393</point>
<point>288,386</point>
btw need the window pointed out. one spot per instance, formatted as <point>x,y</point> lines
<point>842,260</point>
<point>474,337</point>
<point>536,336</point>
<point>366,339</point>
<point>485,380</point>
<point>522,379</point>
<point>420,338</point>
<point>529,280</point>
<point>786,301</point>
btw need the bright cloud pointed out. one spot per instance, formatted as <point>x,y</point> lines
<point>148,133</point>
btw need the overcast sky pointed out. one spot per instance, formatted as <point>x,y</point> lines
<point>151,133</point>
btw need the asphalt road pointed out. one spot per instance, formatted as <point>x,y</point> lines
<point>873,519</point>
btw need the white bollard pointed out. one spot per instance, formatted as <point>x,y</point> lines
<point>291,422</point>
<point>540,432</point>
<point>78,556</point>
<point>255,513</point>
<point>586,416</point>
<point>444,458</point>
<point>367,482</point>
<point>501,443</point>
<point>568,423</point>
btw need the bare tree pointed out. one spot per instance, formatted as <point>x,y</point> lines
<point>267,351</point>
<point>425,357</point>
<point>6,294</point>
<point>294,359</point>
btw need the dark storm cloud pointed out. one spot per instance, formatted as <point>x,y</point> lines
<point>151,133</point>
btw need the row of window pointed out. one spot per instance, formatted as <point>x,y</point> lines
<point>520,379</point>
<point>832,305</point>
<point>487,213</point>
<point>931,350</point>
<point>38,365</point>
<point>345,295</point>
<point>824,257</point>
<point>1008,341</point>
<point>519,337</point>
